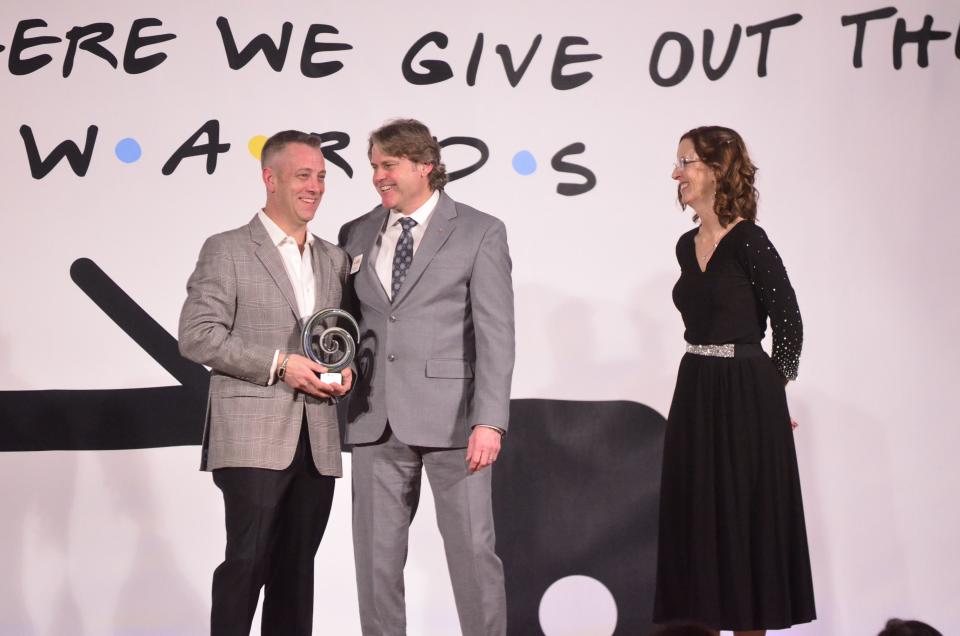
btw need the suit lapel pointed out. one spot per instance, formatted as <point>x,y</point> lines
<point>323,274</point>
<point>269,255</point>
<point>369,241</point>
<point>440,228</point>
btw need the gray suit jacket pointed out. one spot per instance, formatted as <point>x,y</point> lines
<point>438,360</point>
<point>240,308</point>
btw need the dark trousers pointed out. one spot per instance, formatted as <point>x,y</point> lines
<point>275,520</point>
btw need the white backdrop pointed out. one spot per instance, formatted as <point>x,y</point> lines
<point>858,178</point>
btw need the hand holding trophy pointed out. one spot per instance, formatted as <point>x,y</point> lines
<point>331,347</point>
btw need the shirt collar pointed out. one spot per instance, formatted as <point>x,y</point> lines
<point>421,214</point>
<point>278,236</point>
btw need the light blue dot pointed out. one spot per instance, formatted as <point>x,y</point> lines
<point>128,150</point>
<point>524,163</point>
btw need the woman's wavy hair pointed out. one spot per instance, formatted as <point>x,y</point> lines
<point>411,139</point>
<point>724,151</point>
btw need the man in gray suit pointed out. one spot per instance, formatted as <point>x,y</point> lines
<point>432,286</point>
<point>271,436</point>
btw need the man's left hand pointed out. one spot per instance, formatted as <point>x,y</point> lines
<point>337,390</point>
<point>483,448</point>
<point>347,384</point>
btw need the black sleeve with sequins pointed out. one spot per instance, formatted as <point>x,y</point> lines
<point>772,288</point>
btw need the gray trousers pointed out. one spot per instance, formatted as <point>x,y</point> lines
<point>386,491</point>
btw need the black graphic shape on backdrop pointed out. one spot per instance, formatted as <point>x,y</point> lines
<point>79,160</point>
<point>212,149</point>
<point>576,492</point>
<point>437,70</point>
<point>138,324</point>
<point>683,66</point>
<point>89,38</point>
<point>514,75</point>
<point>472,142</point>
<point>111,419</point>
<point>921,38</point>
<point>861,19</point>
<point>20,65</point>
<point>561,81</point>
<point>764,29</point>
<point>560,165</point>
<point>312,69</point>
<point>713,74</point>
<point>79,36</point>
<point>276,54</point>
<point>685,63</point>
<point>474,62</point>
<point>135,65</point>
<point>340,141</point>
<point>901,36</point>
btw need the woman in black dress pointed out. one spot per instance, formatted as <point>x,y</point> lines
<point>732,550</point>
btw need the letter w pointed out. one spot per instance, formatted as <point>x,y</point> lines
<point>79,160</point>
<point>276,55</point>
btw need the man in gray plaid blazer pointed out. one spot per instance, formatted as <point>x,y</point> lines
<point>433,291</point>
<point>271,436</point>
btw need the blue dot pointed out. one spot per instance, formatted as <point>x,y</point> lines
<point>128,150</point>
<point>524,163</point>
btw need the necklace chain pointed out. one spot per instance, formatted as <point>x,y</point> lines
<point>707,255</point>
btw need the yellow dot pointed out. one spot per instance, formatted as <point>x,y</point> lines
<point>255,146</point>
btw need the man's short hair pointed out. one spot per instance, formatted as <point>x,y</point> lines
<point>411,139</point>
<point>279,141</point>
<point>900,627</point>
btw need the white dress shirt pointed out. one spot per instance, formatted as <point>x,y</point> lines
<point>391,234</point>
<point>299,269</point>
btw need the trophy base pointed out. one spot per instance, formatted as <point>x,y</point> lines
<point>331,378</point>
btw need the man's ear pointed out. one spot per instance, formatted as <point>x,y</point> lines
<point>270,179</point>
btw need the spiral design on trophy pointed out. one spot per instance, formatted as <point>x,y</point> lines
<point>332,347</point>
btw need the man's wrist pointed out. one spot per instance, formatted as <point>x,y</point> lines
<point>282,369</point>
<point>490,426</point>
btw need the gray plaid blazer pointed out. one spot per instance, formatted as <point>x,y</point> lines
<point>240,308</point>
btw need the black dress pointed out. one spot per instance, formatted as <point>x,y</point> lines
<point>732,550</point>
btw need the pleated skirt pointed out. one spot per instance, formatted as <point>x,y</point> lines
<point>732,548</point>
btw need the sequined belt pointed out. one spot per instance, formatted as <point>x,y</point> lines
<point>726,350</point>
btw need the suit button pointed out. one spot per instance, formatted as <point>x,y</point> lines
<point>393,318</point>
<point>391,357</point>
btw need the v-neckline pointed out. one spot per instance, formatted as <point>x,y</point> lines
<point>706,264</point>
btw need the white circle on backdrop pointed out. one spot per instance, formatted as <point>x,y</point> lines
<point>578,606</point>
